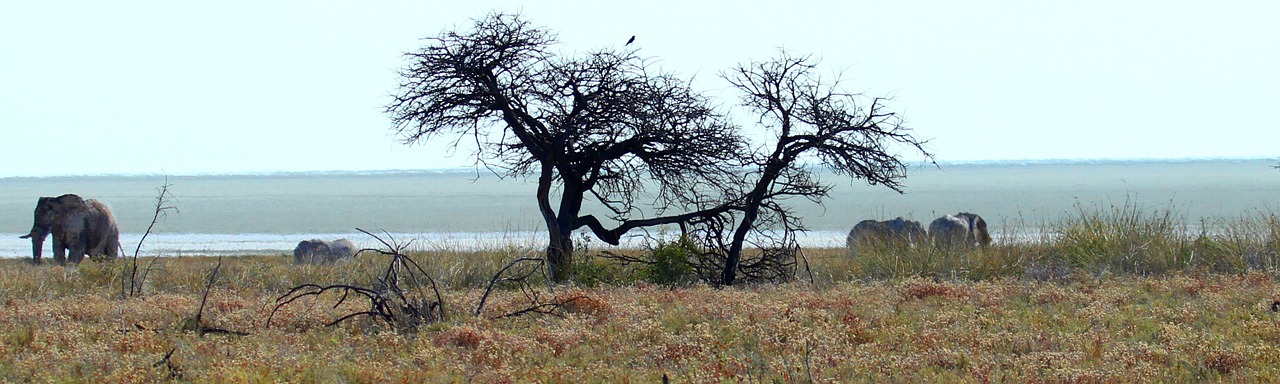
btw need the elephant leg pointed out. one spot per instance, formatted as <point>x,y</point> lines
<point>99,248</point>
<point>76,252</point>
<point>75,258</point>
<point>37,247</point>
<point>113,248</point>
<point>77,248</point>
<point>59,251</point>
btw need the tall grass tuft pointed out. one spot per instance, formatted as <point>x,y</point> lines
<point>1134,240</point>
<point>926,260</point>
<point>1237,244</point>
<point>1125,238</point>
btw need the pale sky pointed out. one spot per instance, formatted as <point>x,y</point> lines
<point>184,87</point>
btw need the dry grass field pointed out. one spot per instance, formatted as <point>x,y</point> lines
<point>65,324</point>
<point>1105,301</point>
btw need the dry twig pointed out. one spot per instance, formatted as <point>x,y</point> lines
<point>198,322</point>
<point>161,211</point>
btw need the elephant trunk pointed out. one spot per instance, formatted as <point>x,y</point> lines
<point>37,236</point>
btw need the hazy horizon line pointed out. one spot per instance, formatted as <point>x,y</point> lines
<point>470,169</point>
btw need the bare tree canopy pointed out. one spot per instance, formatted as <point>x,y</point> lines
<point>597,125</point>
<point>606,125</point>
<point>813,123</point>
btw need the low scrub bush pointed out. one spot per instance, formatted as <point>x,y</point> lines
<point>672,263</point>
<point>591,270</point>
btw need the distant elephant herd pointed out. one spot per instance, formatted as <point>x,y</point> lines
<point>87,228</point>
<point>83,227</point>
<point>959,230</point>
<point>316,251</point>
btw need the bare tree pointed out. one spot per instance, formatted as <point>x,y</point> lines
<point>604,125</point>
<point>163,199</point>
<point>813,124</point>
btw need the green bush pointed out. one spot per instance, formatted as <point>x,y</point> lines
<point>671,263</point>
<point>591,271</point>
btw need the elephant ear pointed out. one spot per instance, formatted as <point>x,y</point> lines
<point>45,204</point>
<point>46,209</point>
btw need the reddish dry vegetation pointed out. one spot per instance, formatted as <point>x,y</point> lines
<point>60,324</point>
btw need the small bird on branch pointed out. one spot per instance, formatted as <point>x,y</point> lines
<point>631,40</point>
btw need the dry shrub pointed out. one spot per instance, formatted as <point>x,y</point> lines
<point>856,329</point>
<point>21,337</point>
<point>560,341</point>
<point>581,303</point>
<point>1051,294</point>
<point>1188,285</point>
<point>464,336</point>
<point>770,264</point>
<point>400,297</point>
<point>1257,279</point>
<point>922,288</point>
<point>1223,361</point>
<point>946,358</point>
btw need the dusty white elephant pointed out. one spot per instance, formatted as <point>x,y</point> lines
<point>316,251</point>
<point>962,229</point>
<point>79,227</point>
<point>897,231</point>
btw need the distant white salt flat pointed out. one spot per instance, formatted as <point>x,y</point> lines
<point>205,244</point>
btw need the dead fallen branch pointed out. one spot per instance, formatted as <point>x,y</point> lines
<point>175,373</point>
<point>497,278</point>
<point>533,296</point>
<point>398,298</point>
<point>543,308</point>
<point>379,307</point>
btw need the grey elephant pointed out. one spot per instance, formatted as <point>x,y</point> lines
<point>316,251</point>
<point>962,229</point>
<point>898,231</point>
<point>79,227</point>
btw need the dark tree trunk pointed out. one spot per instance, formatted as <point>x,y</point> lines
<point>750,212</point>
<point>561,223</point>
<point>735,246</point>
<point>560,257</point>
<point>559,237</point>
